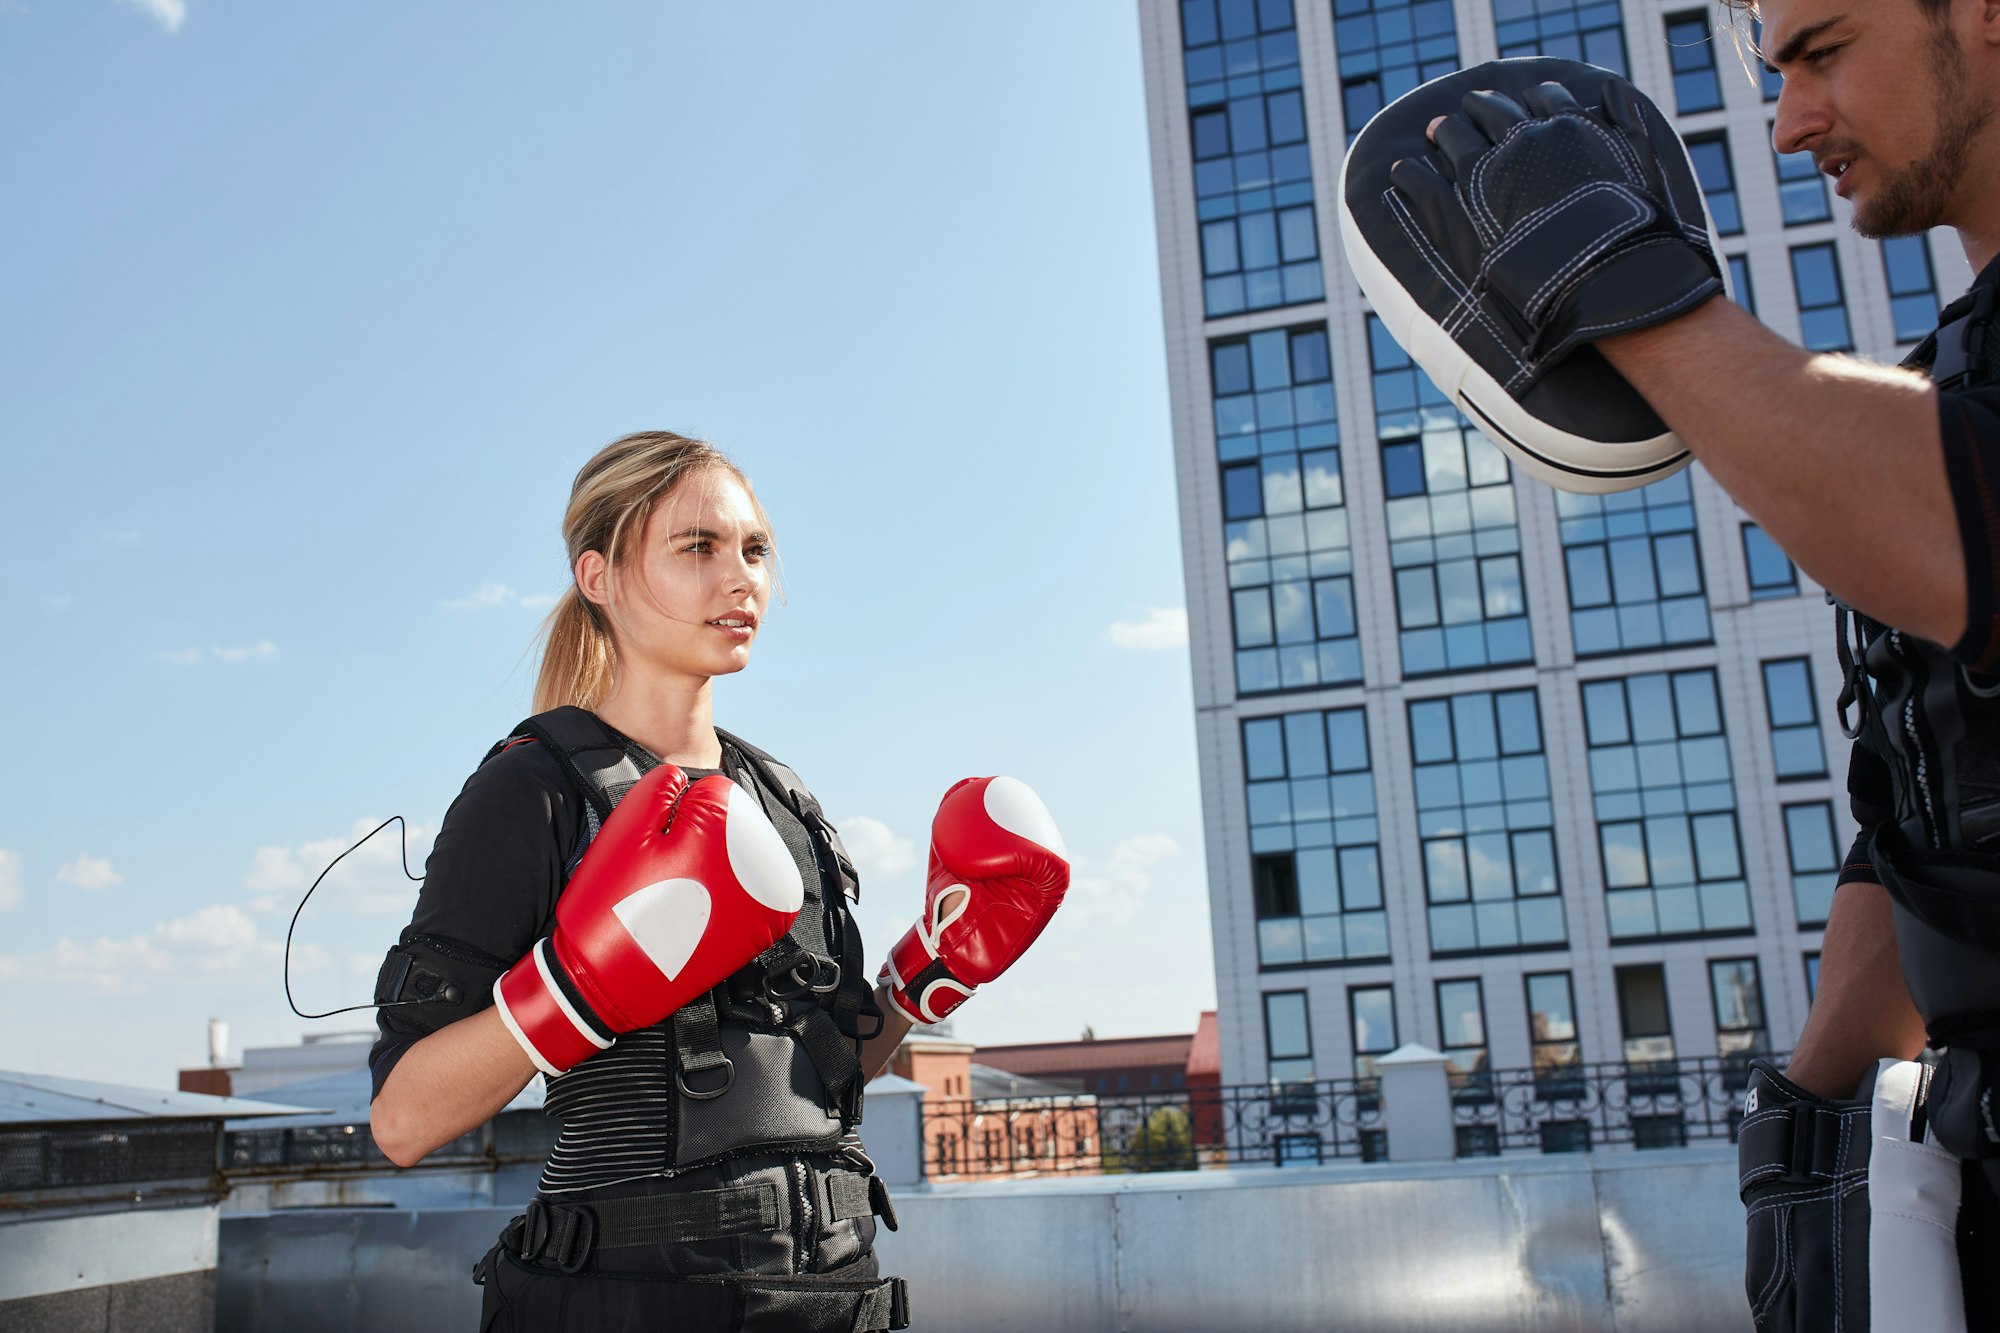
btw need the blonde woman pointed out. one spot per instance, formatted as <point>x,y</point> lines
<point>653,913</point>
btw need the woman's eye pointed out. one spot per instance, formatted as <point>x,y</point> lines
<point>760,552</point>
<point>699,548</point>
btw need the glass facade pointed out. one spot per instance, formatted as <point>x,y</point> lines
<point>1462,1028</point>
<point>1373,1010</point>
<point>1815,857</point>
<point>1288,1043</point>
<point>1454,541</point>
<point>1314,839</point>
<point>1552,1039</point>
<point>1388,47</point>
<point>1634,568</point>
<point>1285,528</point>
<point>1772,573</point>
<point>1797,749</point>
<point>1739,283</point>
<point>1913,300</point>
<point>1822,304</point>
<point>1592,32</point>
<point>1486,822</point>
<point>1691,53</point>
<point>1739,1008</point>
<point>1665,804</point>
<point>1710,155</point>
<point>1253,167</point>
<point>1802,196</point>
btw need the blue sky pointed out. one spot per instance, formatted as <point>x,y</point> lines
<point>312,312</point>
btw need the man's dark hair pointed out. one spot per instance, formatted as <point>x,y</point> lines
<point>1935,9</point>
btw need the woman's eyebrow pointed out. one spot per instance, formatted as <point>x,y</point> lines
<point>707,534</point>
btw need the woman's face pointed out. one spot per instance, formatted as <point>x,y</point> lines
<point>689,598</point>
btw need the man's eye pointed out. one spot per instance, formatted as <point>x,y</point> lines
<point>1819,55</point>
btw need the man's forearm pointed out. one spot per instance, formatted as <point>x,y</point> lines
<point>1839,460</point>
<point>1863,1010</point>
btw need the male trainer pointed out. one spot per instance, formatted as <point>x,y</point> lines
<point>1547,224</point>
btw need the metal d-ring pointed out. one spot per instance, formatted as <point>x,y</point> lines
<point>728,1078</point>
<point>822,987</point>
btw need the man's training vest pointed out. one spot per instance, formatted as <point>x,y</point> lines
<point>764,1063</point>
<point>1935,728</point>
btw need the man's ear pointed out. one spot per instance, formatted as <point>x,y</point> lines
<point>1989,21</point>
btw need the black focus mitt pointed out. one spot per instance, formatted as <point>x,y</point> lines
<point>1557,206</point>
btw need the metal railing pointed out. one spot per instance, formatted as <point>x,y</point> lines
<point>1567,1108</point>
<point>1086,1134</point>
<point>1577,1107</point>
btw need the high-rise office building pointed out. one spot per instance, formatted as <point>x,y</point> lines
<point>1527,777</point>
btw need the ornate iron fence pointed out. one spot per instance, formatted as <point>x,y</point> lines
<point>1568,1108</point>
<point>1084,1134</point>
<point>1574,1108</point>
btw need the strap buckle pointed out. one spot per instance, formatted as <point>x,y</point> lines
<point>728,1068</point>
<point>558,1235</point>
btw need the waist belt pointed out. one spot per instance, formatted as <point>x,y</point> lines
<point>563,1236</point>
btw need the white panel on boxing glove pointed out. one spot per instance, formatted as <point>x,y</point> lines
<point>667,920</point>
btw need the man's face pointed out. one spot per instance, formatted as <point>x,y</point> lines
<point>1879,92</point>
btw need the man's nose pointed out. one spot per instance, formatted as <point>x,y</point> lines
<point>1801,119</point>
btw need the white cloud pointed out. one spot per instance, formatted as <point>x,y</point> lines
<point>169,14</point>
<point>1160,629</point>
<point>215,940</point>
<point>369,881</point>
<point>874,848</point>
<point>90,873</point>
<point>1113,895</point>
<point>262,650</point>
<point>488,596</point>
<point>10,879</point>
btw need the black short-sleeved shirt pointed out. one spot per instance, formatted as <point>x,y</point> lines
<point>492,878</point>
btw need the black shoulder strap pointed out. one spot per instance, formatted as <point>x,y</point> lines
<point>601,764</point>
<point>825,836</point>
<point>1961,354</point>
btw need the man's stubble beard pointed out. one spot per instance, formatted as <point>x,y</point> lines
<point>1913,198</point>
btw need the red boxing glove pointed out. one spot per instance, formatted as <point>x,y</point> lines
<point>998,872</point>
<point>683,885</point>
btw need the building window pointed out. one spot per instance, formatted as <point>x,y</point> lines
<point>1570,29</point>
<point>1822,306</point>
<point>1642,1013</point>
<point>1802,196</point>
<point>1739,1009</point>
<point>1487,824</point>
<point>1913,303</point>
<point>1771,571</point>
<point>1634,568</point>
<point>1285,531</point>
<point>1388,47</point>
<point>1313,839</point>
<point>1815,859</point>
<point>1288,1037</point>
<point>1797,749</point>
<point>1462,1030</point>
<point>1739,282</point>
<point>1373,1011</point>
<point>1453,538</point>
<point>1252,165</point>
<point>1552,1043</point>
<point>1812,977</point>
<point>1692,54</point>
<point>1710,155</point>
<point>1665,805</point>
<point>1768,79</point>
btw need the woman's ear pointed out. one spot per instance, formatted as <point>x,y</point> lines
<point>593,578</point>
